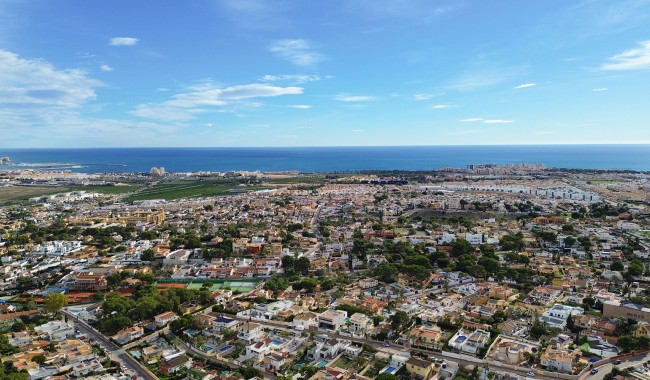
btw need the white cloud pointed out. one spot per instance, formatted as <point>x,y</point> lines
<point>300,106</point>
<point>105,68</point>
<point>26,83</point>
<point>354,98</point>
<point>525,85</point>
<point>426,96</point>
<point>471,120</point>
<point>498,121</point>
<point>204,97</point>
<point>297,51</point>
<point>464,132</point>
<point>601,89</point>
<point>292,78</point>
<point>123,41</point>
<point>633,59</point>
<point>442,106</point>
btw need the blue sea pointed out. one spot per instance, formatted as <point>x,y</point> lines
<point>328,159</point>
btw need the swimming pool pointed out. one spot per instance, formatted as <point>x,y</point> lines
<point>321,363</point>
<point>390,370</point>
<point>461,338</point>
<point>225,348</point>
<point>277,342</point>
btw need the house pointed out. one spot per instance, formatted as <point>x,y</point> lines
<point>642,329</point>
<point>204,320</point>
<point>368,283</point>
<point>500,292</point>
<point>325,348</point>
<point>55,330</point>
<point>250,332</point>
<point>557,315</point>
<point>225,323</point>
<point>559,360</point>
<point>258,350</point>
<point>169,366</point>
<point>419,368</point>
<point>131,333</point>
<point>359,324</point>
<point>624,309</point>
<point>164,318</point>
<point>273,362</point>
<point>544,295</point>
<point>426,336</point>
<point>470,342</point>
<point>511,352</point>
<point>90,282</point>
<point>305,321</point>
<point>332,319</point>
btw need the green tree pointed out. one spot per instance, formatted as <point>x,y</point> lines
<point>461,247</point>
<point>55,301</point>
<point>148,255</point>
<point>18,326</point>
<point>302,266</point>
<point>617,265</point>
<point>39,359</point>
<point>399,320</point>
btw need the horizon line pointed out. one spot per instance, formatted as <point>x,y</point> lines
<point>332,146</point>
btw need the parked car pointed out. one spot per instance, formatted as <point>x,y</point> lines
<point>594,371</point>
<point>617,362</point>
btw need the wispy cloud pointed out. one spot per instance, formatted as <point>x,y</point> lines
<point>472,81</point>
<point>426,96</point>
<point>633,59</point>
<point>486,121</point>
<point>300,106</point>
<point>601,89</point>
<point>525,85</point>
<point>415,10</point>
<point>297,51</point>
<point>354,98</point>
<point>291,78</point>
<point>206,96</point>
<point>442,106</point>
<point>105,68</point>
<point>498,121</point>
<point>123,41</point>
<point>464,132</point>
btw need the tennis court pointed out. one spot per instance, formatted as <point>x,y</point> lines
<point>241,286</point>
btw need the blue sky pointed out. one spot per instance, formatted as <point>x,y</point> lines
<point>78,73</point>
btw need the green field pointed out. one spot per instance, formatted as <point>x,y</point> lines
<point>189,189</point>
<point>241,286</point>
<point>107,189</point>
<point>17,194</point>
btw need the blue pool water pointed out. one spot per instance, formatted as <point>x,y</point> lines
<point>225,348</point>
<point>390,370</point>
<point>321,363</point>
<point>461,338</point>
<point>277,342</point>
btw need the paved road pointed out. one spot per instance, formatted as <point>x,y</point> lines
<point>115,352</point>
<point>607,368</point>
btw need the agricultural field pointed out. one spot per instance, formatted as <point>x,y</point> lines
<point>189,189</point>
<point>16,194</point>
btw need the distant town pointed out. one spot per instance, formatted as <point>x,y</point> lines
<point>482,272</point>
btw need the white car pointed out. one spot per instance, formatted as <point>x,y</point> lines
<point>530,374</point>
